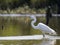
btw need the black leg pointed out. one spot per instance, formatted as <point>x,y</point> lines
<point>43,35</point>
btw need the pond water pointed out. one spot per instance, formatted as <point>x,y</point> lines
<point>21,26</point>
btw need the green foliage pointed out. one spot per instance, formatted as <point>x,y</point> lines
<point>38,3</point>
<point>7,1</point>
<point>11,4</point>
<point>16,3</point>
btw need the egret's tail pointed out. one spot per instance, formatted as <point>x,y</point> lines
<point>54,33</point>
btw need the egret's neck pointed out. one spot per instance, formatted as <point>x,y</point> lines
<point>34,20</point>
<point>32,23</point>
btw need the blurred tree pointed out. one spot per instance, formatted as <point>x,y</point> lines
<point>4,4</point>
<point>58,3</point>
<point>11,4</point>
<point>58,17</point>
<point>38,3</point>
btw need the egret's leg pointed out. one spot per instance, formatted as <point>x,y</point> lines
<point>43,34</point>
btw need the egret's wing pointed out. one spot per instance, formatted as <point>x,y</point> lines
<point>45,28</point>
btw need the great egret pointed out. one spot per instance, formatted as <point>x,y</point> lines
<point>44,28</point>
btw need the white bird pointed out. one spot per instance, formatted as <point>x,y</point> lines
<point>44,28</point>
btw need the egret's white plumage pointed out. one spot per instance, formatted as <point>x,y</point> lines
<point>44,28</point>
